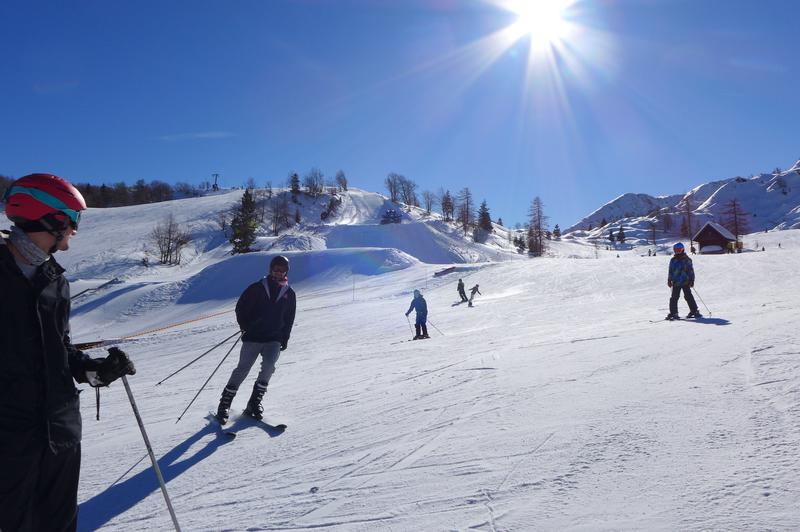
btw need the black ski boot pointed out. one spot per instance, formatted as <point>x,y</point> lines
<point>694,314</point>
<point>223,411</point>
<point>672,317</point>
<point>254,408</point>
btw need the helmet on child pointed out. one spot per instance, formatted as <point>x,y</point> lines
<point>417,293</point>
<point>279,261</point>
<point>678,248</point>
<point>44,202</point>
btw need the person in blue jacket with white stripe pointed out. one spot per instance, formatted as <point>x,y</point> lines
<point>681,279</point>
<point>421,326</point>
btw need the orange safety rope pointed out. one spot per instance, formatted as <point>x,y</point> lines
<point>158,329</point>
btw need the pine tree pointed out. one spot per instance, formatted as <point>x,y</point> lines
<point>447,206</point>
<point>557,232</point>
<point>244,224</point>
<point>341,180</point>
<point>484,218</point>
<point>621,235</point>
<point>519,243</point>
<point>294,183</point>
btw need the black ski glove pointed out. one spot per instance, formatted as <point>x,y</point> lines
<point>114,366</point>
<point>284,345</point>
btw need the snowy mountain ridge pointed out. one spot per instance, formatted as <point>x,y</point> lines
<point>771,201</point>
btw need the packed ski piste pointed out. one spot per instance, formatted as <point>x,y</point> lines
<point>555,402</point>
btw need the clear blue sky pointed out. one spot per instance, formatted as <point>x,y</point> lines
<point>650,96</point>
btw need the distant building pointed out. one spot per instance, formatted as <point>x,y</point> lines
<point>713,238</point>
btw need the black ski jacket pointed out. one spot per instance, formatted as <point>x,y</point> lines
<point>265,312</point>
<point>38,398</point>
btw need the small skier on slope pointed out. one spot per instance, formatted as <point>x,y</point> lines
<point>681,278</point>
<point>418,304</point>
<point>472,291</point>
<point>265,312</point>
<point>461,291</point>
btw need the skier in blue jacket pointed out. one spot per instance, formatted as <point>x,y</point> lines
<point>681,278</point>
<point>419,304</point>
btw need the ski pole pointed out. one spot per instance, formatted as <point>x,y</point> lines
<point>409,324</point>
<point>198,358</point>
<point>435,327</point>
<point>150,452</point>
<point>703,302</point>
<point>208,379</point>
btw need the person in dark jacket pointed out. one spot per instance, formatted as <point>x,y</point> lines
<point>265,312</point>
<point>681,278</point>
<point>40,420</point>
<point>472,291</point>
<point>461,291</point>
<point>421,307</point>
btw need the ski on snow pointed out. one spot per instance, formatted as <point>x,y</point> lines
<point>273,430</point>
<point>221,426</point>
<point>409,340</point>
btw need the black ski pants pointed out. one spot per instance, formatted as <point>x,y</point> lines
<point>39,490</point>
<point>687,295</point>
<point>463,295</point>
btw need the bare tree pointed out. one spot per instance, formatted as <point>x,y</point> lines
<point>735,219</point>
<point>169,238</point>
<point>687,225</point>
<point>666,221</point>
<point>393,186</point>
<point>466,209</point>
<point>537,232</point>
<point>280,213</point>
<point>222,218</point>
<point>408,191</point>
<point>314,181</point>
<point>652,226</point>
<point>429,200</point>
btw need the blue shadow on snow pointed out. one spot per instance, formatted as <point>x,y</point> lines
<point>119,498</point>
<point>100,301</point>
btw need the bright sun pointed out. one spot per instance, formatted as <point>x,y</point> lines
<point>541,20</point>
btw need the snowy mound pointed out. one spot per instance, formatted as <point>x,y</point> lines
<point>297,242</point>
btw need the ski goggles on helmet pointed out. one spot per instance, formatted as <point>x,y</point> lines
<point>46,202</point>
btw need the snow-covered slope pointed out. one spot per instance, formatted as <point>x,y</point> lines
<point>554,404</point>
<point>561,400</point>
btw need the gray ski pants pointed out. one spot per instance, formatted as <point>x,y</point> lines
<point>269,351</point>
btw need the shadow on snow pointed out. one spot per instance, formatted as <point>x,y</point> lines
<point>122,496</point>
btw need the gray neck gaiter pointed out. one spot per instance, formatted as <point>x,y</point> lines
<point>27,248</point>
